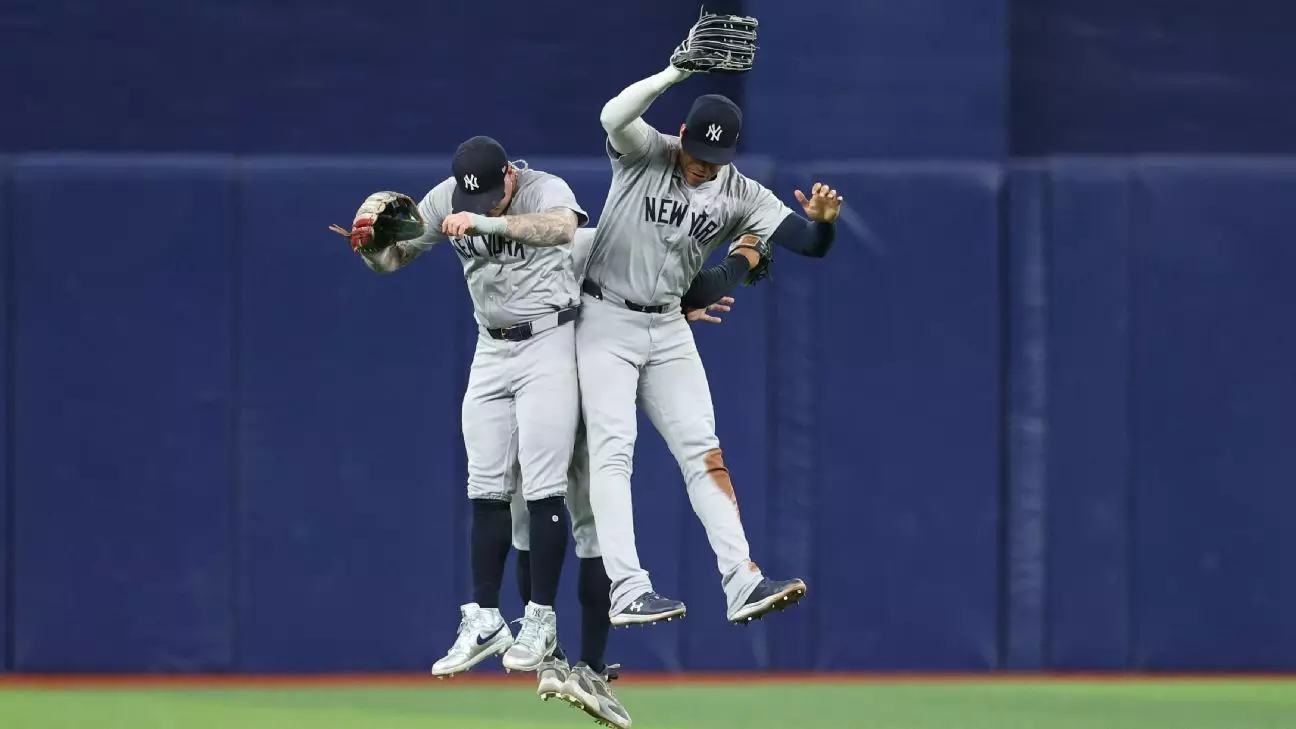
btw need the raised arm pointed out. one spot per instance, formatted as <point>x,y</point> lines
<point>628,134</point>
<point>768,218</point>
<point>811,237</point>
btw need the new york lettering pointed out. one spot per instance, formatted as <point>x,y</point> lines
<point>490,246</point>
<point>665,211</point>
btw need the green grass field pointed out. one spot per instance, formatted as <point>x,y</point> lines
<point>970,704</point>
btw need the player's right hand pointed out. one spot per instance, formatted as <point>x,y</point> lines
<point>723,305</point>
<point>823,205</point>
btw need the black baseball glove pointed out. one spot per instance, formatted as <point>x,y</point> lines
<point>384,219</point>
<point>718,44</point>
<point>762,248</point>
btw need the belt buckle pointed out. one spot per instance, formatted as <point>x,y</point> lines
<point>515,333</point>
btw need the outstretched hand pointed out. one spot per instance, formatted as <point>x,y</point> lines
<point>823,205</point>
<point>696,315</point>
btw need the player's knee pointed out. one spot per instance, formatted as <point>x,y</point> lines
<point>547,502</point>
<point>489,491</point>
<point>556,492</point>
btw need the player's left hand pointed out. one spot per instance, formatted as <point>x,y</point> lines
<point>723,305</point>
<point>457,225</point>
<point>823,205</point>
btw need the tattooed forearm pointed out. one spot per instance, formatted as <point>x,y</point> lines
<point>551,228</point>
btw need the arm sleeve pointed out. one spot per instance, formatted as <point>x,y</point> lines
<point>804,237</point>
<point>713,284</point>
<point>630,138</point>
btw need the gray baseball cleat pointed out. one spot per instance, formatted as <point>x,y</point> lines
<point>552,674</point>
<point>589,691</point>
<point>482,634</point>
<point>536,641</point>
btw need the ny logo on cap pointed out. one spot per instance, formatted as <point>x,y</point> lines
<point>713,132</point>
<point>470,182</point>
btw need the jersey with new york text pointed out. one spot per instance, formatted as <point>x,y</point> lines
<point>655,231</point>
<point>511,282</point>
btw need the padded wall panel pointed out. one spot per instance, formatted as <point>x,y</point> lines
<point>1025,505</point>
<point>1089,455</point>
<point>266,77</point>
<point>1108,77</point>
<point>925,79</point>
<point>905,362</point>
<point>6,431</point>
<point>349,385</point>
<point>123,414</point>
<point>1214,353</point>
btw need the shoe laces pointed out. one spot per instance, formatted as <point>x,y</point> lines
<point>470,627</point>
<point>530,635</point>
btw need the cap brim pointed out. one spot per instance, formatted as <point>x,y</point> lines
<point>707,153</point>
<point>481,203</point>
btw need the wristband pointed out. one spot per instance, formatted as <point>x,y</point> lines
<point>489,226</point>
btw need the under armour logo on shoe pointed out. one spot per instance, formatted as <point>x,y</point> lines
<point>713,132</point>
<point>636,606</point>
<point>470,182</point>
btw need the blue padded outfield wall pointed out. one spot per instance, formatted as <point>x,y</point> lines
<point>1045,427</point>
<point>1033,412</point>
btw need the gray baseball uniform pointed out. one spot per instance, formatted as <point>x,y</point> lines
<point>652,239</point>
<point>578,475</point>
<point>521,405</point>
<point>578,483</point>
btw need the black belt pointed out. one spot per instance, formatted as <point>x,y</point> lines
<point>596,291</point>
<point>526,330</point>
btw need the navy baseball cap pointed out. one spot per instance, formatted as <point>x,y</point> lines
<point>711,129</point>
<point>479,167</point>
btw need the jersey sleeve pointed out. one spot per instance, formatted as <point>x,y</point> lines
<point>554,192</point>
<point>761,210</point>
<point>434,207</point>
<point>582,244</point>
<point>654,147</point>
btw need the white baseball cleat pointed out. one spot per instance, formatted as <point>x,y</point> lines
<point>552,675</point>
<point>589,691</point>
<point>482,634</point>
<point>536,641</point>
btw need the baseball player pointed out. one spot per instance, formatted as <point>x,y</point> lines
<point>673,199</point>
<point>586,684</point>
<point>512,229</point>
